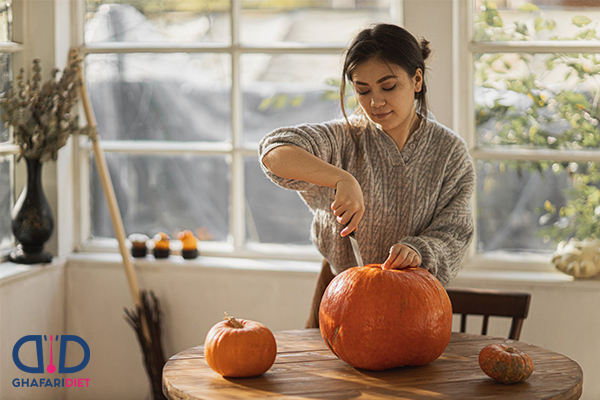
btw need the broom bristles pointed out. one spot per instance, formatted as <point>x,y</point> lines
<point>154,359</point>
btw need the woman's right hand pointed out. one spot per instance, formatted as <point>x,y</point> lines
<point>293,162</point>
<point>348,205</point>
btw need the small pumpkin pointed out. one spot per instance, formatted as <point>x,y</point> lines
<point>505,364</point>
<point>378,319</point>
<point>240,348</point>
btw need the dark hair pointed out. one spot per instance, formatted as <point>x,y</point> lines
<point>390,44</point>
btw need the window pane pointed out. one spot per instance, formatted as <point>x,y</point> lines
<point>5,21</point>
<point>274,215</point>
<point>157,21</point>
<point>6,162</point>
<point>286,89</point>
<point>5,60</point>
<point>506,20</point>
<point>6,201</point>
<point>529,206</point>
<point>541,100</point>
<point>178,96</point>
<point>309,20</point>
<point>164,193</point>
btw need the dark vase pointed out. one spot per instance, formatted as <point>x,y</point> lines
<point>32,221</point>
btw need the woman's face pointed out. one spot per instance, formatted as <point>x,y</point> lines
<point>386,94</point>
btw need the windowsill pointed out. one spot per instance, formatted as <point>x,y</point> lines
<point>555,279</point>
<point>10,272</point>
<point>503,261</point>
<point>218,250</point>
<point>178,263</point>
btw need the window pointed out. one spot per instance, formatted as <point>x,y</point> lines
<point>7,150</point>
<point>183,92</point>
<point>534,122</point>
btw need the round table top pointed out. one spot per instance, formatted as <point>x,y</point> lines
<point>306,368</point>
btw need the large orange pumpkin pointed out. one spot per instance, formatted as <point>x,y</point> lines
<point>240,348</point>
<point>378,319</point>
<point>505,364</point>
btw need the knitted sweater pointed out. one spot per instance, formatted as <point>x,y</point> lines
<point>419,196</point>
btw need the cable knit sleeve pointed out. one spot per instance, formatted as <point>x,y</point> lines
<point>443,244</point>
<point>320,140</point>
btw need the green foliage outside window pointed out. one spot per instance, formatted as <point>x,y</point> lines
<point>571,105</point>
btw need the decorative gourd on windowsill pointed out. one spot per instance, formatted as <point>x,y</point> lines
<point>578,258</point>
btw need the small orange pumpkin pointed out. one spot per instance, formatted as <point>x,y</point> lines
<point>239,348</point>
<point>505,364</point>
<point>378,319</point>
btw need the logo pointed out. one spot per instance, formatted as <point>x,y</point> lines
<point>51,368</point>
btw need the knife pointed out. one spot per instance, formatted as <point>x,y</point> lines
<point>354,243</point>
<point>355,249</point>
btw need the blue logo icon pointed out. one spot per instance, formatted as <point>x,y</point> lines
<point>62,369</point>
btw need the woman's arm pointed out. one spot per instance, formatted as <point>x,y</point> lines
<point>293,162</point>
<point>443,244</point>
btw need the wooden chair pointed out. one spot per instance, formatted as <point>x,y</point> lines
<point>490,303</point>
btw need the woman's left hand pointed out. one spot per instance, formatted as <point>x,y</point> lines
<point>401,257</point>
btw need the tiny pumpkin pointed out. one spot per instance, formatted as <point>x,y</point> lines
<point>378,319</point>
<point>239,348</point>
<point>505,364</point>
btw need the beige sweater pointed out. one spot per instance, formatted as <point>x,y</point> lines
<point>419,197</point>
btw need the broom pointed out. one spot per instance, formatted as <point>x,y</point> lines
<point>146,318</point>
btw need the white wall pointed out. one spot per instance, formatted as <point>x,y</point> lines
<point>564,315</point>
<point>436,27</point>
<point>31,304</point>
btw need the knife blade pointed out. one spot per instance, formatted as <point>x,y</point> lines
<point>355,249</point>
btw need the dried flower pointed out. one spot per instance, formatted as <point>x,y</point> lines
<point>42,115</point>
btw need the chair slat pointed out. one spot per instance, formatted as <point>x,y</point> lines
<point>515,329</point>
<point>496,303</point>
<point>484,325</point>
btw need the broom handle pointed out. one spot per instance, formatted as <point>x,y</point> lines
<point>113,206</point>
<point>111,199</point>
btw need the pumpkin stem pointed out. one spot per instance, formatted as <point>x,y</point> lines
<point>236,324</point>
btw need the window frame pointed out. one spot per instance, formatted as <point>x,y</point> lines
<point>463,58</point>
<point>235,150</point>
<point>16,50</point>
<point>8,149</point>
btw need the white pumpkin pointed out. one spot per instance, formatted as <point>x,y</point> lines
<point>578,258</point>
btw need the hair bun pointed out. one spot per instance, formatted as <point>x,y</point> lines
<point>425,50</point>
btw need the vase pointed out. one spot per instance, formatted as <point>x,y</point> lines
<point>32,221</point>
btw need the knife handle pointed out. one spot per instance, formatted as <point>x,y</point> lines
<point>353,233</point>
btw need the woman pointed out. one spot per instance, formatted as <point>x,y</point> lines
<point>390,172</point>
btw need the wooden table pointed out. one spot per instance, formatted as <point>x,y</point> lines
<point>306,369</point>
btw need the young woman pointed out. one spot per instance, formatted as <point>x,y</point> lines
<point>390,172</point>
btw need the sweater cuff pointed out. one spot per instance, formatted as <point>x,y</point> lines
<point>424,251</point>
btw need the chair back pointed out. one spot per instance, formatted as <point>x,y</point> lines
<point>497,303</point>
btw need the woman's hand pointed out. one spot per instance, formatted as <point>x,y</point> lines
<point>348,205</point>
<point>401,257</point>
